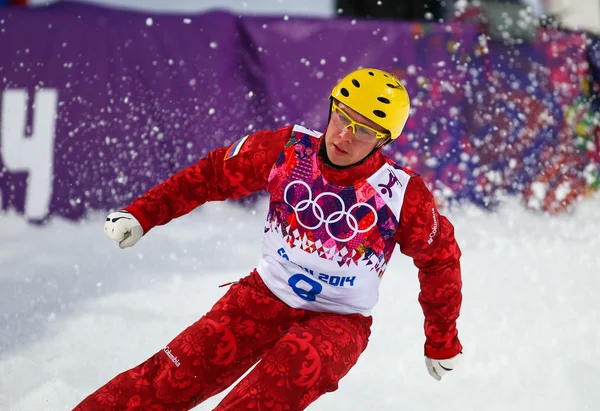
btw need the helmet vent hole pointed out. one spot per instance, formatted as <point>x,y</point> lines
<point>371,73</point>
<point>344,92</point>
<point>379,113</point>
<point>383,100</point>
<point>393,85</point>
<point>356,83</point>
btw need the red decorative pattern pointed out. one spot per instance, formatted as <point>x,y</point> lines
<point>212,179</point>
<point>428,238</point>
<point>304,355</point>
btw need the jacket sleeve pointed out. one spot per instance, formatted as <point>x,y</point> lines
<point>217,177</point>
<point>428,238</point>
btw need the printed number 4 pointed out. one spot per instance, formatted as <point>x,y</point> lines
<point>34,152</point>
<point>308,295</point>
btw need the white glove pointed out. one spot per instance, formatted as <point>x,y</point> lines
<point>123,228</point>
<point>438,368</point>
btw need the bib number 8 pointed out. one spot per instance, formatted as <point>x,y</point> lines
<point>308,295</point>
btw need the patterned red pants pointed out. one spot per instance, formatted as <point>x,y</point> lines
<point>303,354</point>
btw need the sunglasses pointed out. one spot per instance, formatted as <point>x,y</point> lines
<point>361,131</point>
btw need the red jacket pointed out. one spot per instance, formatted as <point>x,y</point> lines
<point>422,234</point>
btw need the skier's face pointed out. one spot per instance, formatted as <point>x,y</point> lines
<point>350,137</point>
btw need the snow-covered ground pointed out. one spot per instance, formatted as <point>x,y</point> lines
<point>75,309</point>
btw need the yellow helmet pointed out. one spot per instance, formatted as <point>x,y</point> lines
<point>377,95</point>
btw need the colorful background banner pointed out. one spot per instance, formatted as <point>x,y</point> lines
<point>98,105</point>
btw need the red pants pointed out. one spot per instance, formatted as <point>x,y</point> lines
<point>303,354</point>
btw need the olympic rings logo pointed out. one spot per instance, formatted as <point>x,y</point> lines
<point>336,216</point>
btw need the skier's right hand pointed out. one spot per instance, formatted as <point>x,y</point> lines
<point>124,228</point>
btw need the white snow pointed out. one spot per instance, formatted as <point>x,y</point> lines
<point>76,310</point>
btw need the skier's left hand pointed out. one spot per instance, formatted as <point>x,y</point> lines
<point>438,368</point>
